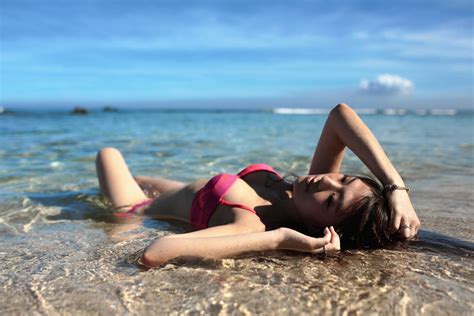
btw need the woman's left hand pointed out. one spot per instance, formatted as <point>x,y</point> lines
<point>334,244</point>
<point>293,240</point>
<point>405,222</point>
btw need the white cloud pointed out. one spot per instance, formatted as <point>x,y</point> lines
<point>387,84</point>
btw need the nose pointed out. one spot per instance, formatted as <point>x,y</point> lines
<point>328,183</point>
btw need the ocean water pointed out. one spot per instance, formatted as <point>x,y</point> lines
<point>62,251</point>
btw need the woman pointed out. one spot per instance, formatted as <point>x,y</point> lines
<point>256,210</point>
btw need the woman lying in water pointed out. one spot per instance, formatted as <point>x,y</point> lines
<point>258,210</point>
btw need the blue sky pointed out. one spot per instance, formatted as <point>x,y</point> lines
<point>412,54</point>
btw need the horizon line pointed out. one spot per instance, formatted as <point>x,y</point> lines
<point>275,110</point>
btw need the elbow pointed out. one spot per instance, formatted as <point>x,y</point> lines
<point>342,110</point>
<point>341,107</point>
<point>151,257</point>
<point>148,260</point>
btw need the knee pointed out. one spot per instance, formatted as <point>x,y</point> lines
<point>107,153</point>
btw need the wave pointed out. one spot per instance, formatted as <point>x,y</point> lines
<point>449,112</point>
<point>300,111</point>
<point>394,111</point>
<point>373,111</point>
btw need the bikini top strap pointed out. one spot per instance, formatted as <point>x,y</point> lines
<point>258,167</point>
<point>225,202</point>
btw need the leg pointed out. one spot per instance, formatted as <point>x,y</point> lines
<point>153,187</point>
<point>116,181</point>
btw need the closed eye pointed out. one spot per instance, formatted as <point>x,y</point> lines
<point>343,179</point>
<point>346,179</point>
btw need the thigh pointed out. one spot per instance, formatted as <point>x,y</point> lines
<point>116,181</point>
<point>153,187</point>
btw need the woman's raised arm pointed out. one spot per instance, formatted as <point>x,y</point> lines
<point>345,128</point>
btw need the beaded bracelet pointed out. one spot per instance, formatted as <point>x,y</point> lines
<point>393,187</point>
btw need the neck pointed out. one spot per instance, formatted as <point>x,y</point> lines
<point>282,212</point>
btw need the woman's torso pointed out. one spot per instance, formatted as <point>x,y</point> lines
<point>255,191</point>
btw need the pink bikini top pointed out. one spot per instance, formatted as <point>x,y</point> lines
<point>208,198</point>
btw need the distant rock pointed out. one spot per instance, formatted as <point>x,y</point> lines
<point>79,111</point>
<point>109,109</point>
<point>5,111</point>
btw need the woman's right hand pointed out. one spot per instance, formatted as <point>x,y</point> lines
<point>293,240</point>
<point>405,222</point>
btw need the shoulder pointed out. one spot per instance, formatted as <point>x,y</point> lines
<point>240,192</point>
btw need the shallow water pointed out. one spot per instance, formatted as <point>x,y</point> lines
<point>62,250</point>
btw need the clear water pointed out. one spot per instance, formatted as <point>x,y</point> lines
<point>62,251</point>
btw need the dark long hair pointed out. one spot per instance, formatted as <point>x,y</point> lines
<point>368,226</point>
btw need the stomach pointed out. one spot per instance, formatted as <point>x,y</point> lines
<point>175,204</point>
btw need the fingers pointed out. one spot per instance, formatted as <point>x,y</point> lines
<point>395,224</point>
<point>408,231</point>
<point>334,235</point>
<point>332,240</point>
<point>417,226</point>
<point>404,231</point>
<point>414,224</point>
<point>327,235</point>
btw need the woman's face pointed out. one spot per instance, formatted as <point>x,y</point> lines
<point>325,199</point>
